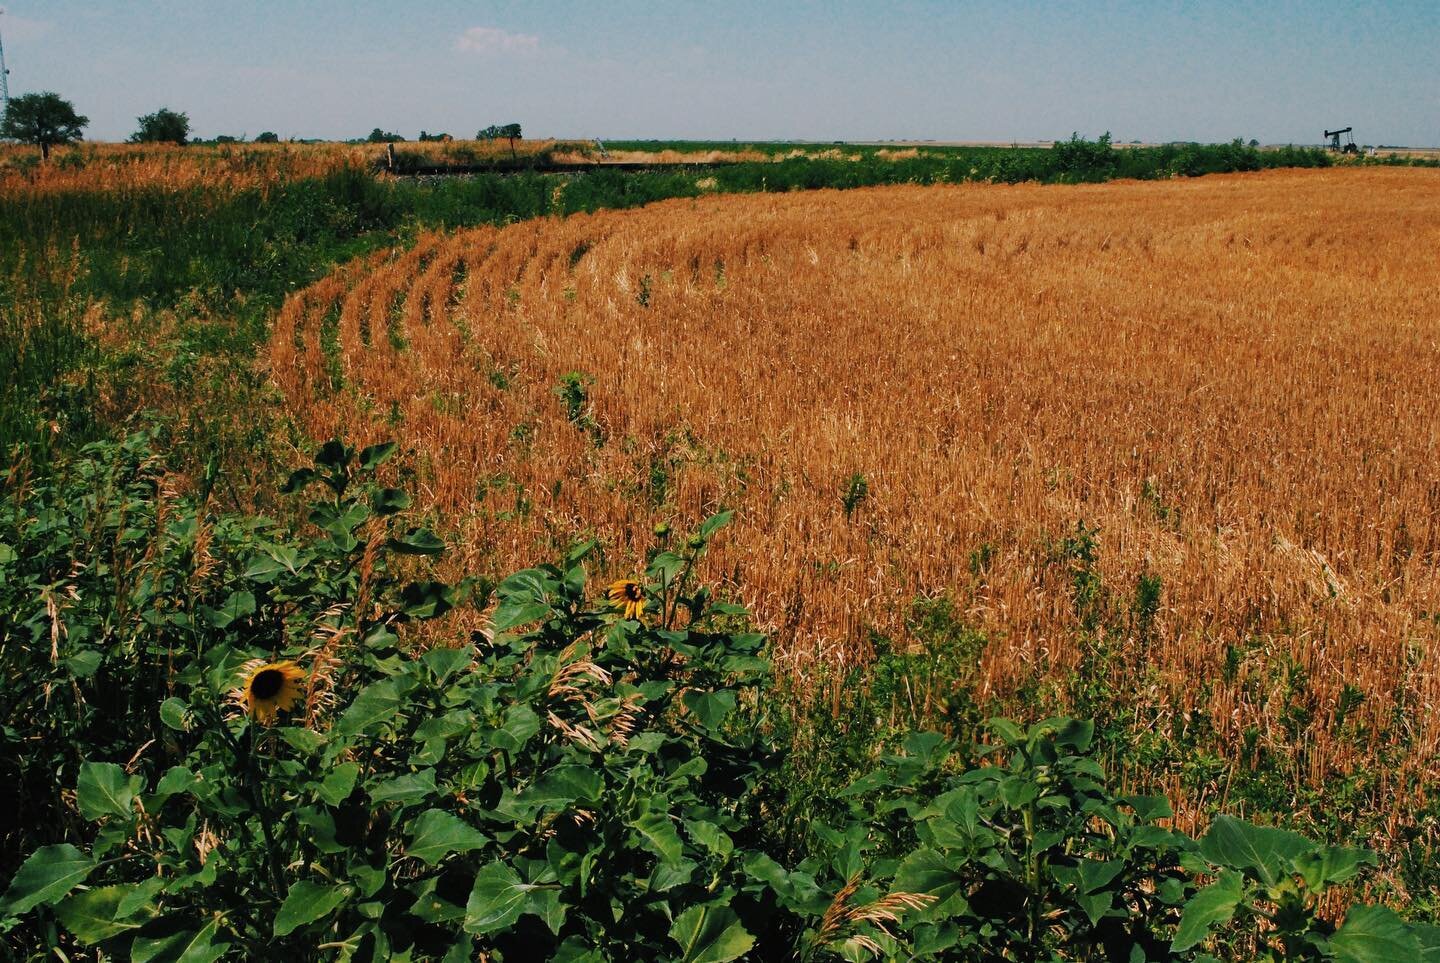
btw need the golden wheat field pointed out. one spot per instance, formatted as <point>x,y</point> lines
<point>1233,378</point>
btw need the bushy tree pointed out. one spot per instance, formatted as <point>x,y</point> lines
<point>43,119</point>
<point>378,136</point>
<point>165,126</point>
<point>267,137</point>
<point>510,132</point>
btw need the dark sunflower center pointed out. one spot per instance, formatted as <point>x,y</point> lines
<point>632,593</point>
<point>267,683</point>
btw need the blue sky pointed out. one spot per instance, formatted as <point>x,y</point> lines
<point>1159,70</point>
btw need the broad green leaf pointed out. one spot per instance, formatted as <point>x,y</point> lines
<point>1006,730</point>
<point>667,876</point>
<point>305,741</point>
<point>1328,865</point>
<point>298,480</point>
<point>437,834</point>
<point>377,702</point>
<point>659,836</point>
<point>175,713</point>
<point>49,873</point>
<point>710,933</point>
<point>665,567</point>
<point>512,612</point>
<point>714,523</point>
<point>710,836</point>
<point>103,790</point>
<point>927,871</point>
<point>497,899</point>
<point>1149,808</point>
<point>338,783</point>
<point>545,903</point>
<point>94,915</point>
<point>711,708</point>
<point>84,664</point>
<point>1266,853</point>
<point>340,521</point>
<point>1075,734</point>
<point>406,789</point>
<point>564,785</point>
<point>446,662</point>
<point>422,541</point>
<point>187,946</point>
<point>1096,905</point>
<point>388,501</point>
<point>308,902</point>
<point>141,897</point>
<point>374,456</point>
<point>1374,934</point>
<point>1214,904</point>
<point>1429,937</point>
<point>521,723</point>
<point>1092,874</point>
<point>237,606</point>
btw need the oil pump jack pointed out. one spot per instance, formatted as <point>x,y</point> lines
<point>1333,136</point>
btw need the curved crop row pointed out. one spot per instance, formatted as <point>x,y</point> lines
<point>1179,437</point>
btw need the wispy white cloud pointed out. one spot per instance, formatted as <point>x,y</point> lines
<point>487,40</point>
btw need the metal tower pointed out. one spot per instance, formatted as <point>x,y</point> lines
<point>4,79</point>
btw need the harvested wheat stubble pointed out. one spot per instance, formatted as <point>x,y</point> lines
<point>1233,377</point>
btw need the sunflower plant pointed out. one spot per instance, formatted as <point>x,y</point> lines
<point>576,781</point>
<point>247,752</point>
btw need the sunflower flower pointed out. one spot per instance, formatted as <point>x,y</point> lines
<point>271,688</point>
<point>628,596</point>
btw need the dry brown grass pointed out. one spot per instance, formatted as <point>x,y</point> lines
<point>1233,377</point>
<point>102,167</point>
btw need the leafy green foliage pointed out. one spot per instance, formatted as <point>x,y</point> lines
<point>165,126</point>
<point>45,119</point>
<point>569,783</point>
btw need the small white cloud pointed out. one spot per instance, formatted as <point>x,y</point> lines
<point>484,40</point>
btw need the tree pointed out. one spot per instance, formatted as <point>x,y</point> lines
<point>44,119</point>
<point>267,137</point>
<point>512,133</point>
<point>378,136</point>
<point>165,126</point>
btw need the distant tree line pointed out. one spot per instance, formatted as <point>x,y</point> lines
<point>48,120</point>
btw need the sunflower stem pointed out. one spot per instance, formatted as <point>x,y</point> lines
<point>245,756</point>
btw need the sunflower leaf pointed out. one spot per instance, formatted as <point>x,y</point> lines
<point>335,788</point>
<point>186,946</point>
<point>437,834</point>
<point>175,713</point>
<point>306,903</point>
<point>49,873</point>
<point>422,541</point>
<point>104,790</point>
<point>710,933</point>
<point>377,702</point>
<point>96,914</point>
<point>237,606</point>
<point>497,899</point>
